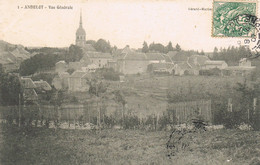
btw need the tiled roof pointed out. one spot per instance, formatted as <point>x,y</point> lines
<point>179,56</point>
<point>30,94</point>
<point>162,65</point>
<point>78,74</point>
<point>98,55</point>
<point>88,47</point>
<point>155,56</point>
<point>197,60</point>
<point>214,62</point>
<point>27,83</point>
<point>135,56</point>
<point>172,53</point>
<point>42,85</point>
<point>64,74</point>
<point>61,62</point>
<point>184,65</point>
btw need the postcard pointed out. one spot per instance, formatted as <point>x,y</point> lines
<point>130,82</point>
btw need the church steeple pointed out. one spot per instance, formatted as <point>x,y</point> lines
<point>80,34</point>
<point>80,22</point>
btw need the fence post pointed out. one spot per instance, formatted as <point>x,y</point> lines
<point>19,111</point>
<point>230,105</point>
<point>254,105</point>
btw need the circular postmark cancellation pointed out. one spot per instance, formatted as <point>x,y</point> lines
<point>253,43</point>
<point>234,19</point>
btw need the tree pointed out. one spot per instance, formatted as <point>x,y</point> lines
<point>169,47</point>
<point>10,88</point>
<point>202,52</point>
<point>156,47</point>
<point>145,48</point>
<point>215,53</point>
<point>103,46</point>
<point>91,42</point>
<point>75,53</point>
<point>178,47</point>
<point>39,62</point>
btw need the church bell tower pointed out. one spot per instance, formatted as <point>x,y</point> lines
<point>80,34</point>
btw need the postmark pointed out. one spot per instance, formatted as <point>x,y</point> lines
<point>234,19</point>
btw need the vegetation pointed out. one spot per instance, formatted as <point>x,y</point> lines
<point>39,62</point>
<point>100,45</point>
<point>107,74</point>
<point>49,146</point>
<point>74,54</point>
<point>10,88</point>
<point>231,55</point>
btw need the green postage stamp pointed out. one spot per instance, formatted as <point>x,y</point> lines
<point>234,19</point>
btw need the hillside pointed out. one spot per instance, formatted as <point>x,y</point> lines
<point>12,55</point>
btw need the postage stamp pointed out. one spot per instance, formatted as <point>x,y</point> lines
<point>234,19</point>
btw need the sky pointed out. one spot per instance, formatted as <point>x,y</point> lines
<point>128,22</point>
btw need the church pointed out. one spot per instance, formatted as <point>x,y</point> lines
<point>91,56</point>
<point>81,37</point>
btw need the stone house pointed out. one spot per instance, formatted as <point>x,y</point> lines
<point>29,93</point>
<point>161,68</point>
<point>155,57</point>
<point>132,63</point>
<point>75,65</point>
<point>61,81</point>
<point>244,62</point>
<point>183,68</point>
<point>98,58</point>
<point>61,66</point>
<point>78,81</point>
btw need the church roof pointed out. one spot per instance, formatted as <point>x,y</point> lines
<point>80,31</point>
<point>88,47</point>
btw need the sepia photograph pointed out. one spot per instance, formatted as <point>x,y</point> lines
<point>138,82</point>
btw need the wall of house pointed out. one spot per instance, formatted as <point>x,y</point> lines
<point>133,66</point>
<point>60,67</point>
<point>245,63</point>
<point>100,62</point>
<point>74,84</point>
<point>222,66</point>
<point>57,83</point>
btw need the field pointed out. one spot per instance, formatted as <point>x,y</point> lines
<point>49,146</point>
<point>146,95</point>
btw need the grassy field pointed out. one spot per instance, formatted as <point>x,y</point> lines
<point>47,146</point>
<point>146,95</point>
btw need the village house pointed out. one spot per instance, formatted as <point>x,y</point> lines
<point>243,69</point>
<point>75,65</point>
<point>42,85</point>
<point>90,68</point>
<point>132,63</point>
<point>161,68</point>
<point>214,64</point>
<point>78,81</point>
<point>100,59</point>
<point>182,68</point>
<point>155,57</point>
<point>196,62</point>
<point>244,62</point>
<point>61,81</point>
<point>41,88</point>
<point>29,87</point>
<point>177,57</point>
<point>61,66</point>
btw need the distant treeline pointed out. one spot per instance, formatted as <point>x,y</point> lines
<point>231,55</point>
